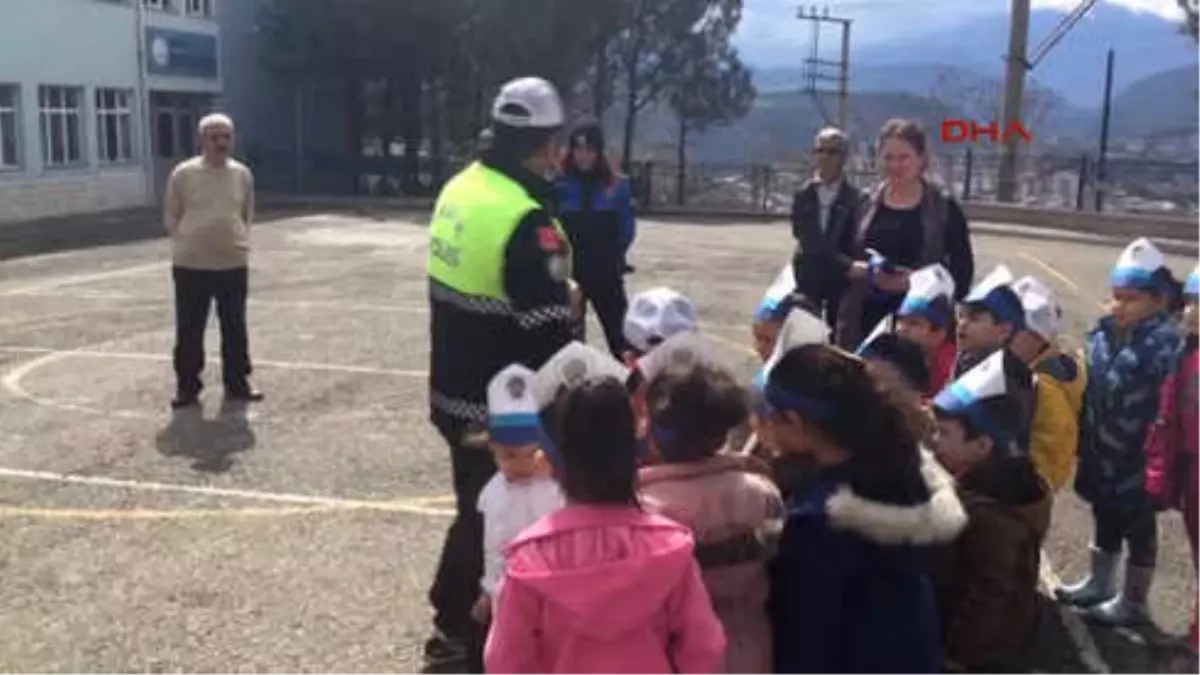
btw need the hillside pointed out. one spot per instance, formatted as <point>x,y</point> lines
<point>1163,102</point>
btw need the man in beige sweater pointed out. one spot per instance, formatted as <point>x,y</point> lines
<point>208,210</point>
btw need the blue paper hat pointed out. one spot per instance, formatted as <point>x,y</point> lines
<point>513,417</point>
<point>930,295</point>
<point>996,295</point>
<point>971,396</point>
<point>1136,267</point>
<point>772,306</point>
<point>1192,285</point>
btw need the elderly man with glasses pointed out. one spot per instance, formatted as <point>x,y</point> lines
<point>825,214</point>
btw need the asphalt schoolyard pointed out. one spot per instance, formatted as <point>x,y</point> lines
<point>300,534</point>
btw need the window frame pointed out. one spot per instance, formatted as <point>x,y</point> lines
<point>157,5</point>
<point>46,114</point>
<point>204,11</point>
<point>123,117</point>
<point>14,110</point>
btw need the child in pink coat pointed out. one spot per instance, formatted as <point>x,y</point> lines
<point>734,511</point>
<point>602,585</point>
<point>1171,447</point>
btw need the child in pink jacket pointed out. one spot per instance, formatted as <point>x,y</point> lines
<point>734,511</point>
<point>602,585</point>
<point>1171,447</point>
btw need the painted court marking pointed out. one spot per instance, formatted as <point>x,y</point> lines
<point>73,280</point>
<point>425,506</point>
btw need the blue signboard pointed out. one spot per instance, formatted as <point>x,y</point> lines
<point>172,52</point>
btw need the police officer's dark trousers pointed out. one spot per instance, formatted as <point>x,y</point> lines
<point>456,583</point>
<point>606,295</point>
<point>195,292</point>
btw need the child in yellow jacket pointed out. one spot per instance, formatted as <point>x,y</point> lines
<point>1059,382</point>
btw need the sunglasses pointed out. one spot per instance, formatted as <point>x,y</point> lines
<point>826,151</point>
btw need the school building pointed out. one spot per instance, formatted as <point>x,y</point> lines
<point>99,99</point>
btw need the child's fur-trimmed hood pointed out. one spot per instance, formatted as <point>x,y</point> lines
<point>936,521</point>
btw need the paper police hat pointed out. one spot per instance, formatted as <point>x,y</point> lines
<point>656,315</point>
<point>1192,285</point>
<point>885,326</point>
<point>684,349</point>
<point>800,328</point>
<point>1042,313</point>
<point>1137,265</point>
<point>987,396</point>
<point>512,409</point>
<point>995,294</point>
<point>930,295</point>
<point>570,367</point>
<point>772,305</point>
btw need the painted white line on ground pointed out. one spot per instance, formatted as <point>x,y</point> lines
<point>417,505</point>
<point>1081,637</point>
<point>59,282</point>
<point>58,354</point>
<point>323,305</point>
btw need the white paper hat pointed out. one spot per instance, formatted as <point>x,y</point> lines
<point>1192,285</point>
<point>800,328</point>
<point>512,408</point>
<point>967,395</point>
<point>783,285</point>
<point>998,277</point>
<point>657,314</point>
<point>571,366</point>
<point>996,294</point>
<point>680,350</point>
<point>1042,314</point>
<point>1137,265</point>
<point>926,286</point>
<point>886,325</point>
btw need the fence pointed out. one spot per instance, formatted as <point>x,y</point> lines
<point>1045,181</point>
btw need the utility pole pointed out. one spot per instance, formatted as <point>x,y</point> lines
<point>816,69</point>
<point>1102,161</point>
<point>1014,95</point>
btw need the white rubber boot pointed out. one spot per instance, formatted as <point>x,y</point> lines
<point>1131,606</point>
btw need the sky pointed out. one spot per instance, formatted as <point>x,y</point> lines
<point>769,27</point>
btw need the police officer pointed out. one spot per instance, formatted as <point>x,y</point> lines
<point>499,266</point>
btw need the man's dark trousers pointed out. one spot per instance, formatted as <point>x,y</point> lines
<point>456,582</point>
<point>195,291</point>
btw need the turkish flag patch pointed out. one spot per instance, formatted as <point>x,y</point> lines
<point>549,239</point>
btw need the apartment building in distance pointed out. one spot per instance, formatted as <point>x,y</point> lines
<point>99,99</point>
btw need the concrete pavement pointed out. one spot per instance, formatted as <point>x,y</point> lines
<point>300,534</point>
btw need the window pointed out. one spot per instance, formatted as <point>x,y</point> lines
<point>164,127</point>
<point>161,5</point>
<point>200,7</point>
<point>62,125</point>
<point>9,122</point>
<point>114,125</point>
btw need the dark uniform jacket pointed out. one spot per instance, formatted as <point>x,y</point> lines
<point>471,342</point>
<point>822,257</point>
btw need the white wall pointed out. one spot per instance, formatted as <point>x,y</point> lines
<point>27,198</point>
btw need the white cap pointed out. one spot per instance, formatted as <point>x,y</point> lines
<point>780,288</point>
<point>529,102</point>
<point>926,285</point>
<point>800,328</point>
<point>1042,314</point>
<point>656,315</point>
<point>571,366</point>
<point>512,408</point>
<point>1137,265</point>
<point>683,349</point>
<point>965,396</point>
<point>1192,285</point>
<point>1001,276</point>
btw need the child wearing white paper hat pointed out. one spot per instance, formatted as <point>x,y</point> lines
<point>777,303</point>
<point>1173,447</point>
<point>988,316</point>
<point>693,404</point>
<point>523,490</point>
<point>926,317</point>
<point>1130,352</point>
<point>1059,383</point>
<point>986,579</point>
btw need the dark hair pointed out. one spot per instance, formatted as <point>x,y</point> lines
<point>692,410</point>
<point>519,143</point>
<point>592,134</point>
<point>875,422</point>
<point>909,131</point>
<point>594,431</point>
<point>907,356</point>
<point>1170,287</point>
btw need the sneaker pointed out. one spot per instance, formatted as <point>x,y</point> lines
<point>442,650</point>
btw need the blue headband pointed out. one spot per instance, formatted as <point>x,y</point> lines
<point>778,398</point>
<point>515,428</point>
<point>1137,278</point>
<point>956,401</point>
<point>937,313</point>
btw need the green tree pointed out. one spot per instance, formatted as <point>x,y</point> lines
<point>1191,13</point>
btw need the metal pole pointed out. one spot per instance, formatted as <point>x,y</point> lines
<point>1083,177</point>
<point>1014,94</point>
<point>966,193</point>
<point>1102,160</point>
<point>143,105</point>
<point>844,91</point>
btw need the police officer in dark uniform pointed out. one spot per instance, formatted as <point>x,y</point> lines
<point>499,267</point>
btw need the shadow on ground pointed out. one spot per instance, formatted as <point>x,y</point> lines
<point>211,444</point>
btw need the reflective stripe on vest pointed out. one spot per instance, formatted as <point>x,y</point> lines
<point>475,216</point>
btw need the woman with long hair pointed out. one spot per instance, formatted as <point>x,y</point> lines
<point>909,221</point>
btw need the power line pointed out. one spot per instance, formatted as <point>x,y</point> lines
<point>1060,31</point>
<point>814,64</point>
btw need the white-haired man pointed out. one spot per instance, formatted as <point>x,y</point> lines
<point>825,214</point>
<point>208,209</point>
